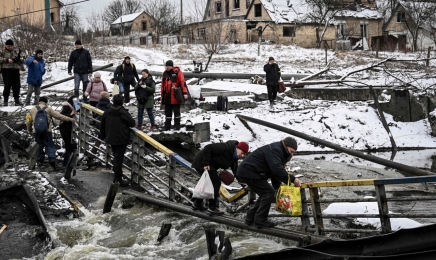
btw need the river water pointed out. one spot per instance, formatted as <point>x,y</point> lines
<point>132,234</point>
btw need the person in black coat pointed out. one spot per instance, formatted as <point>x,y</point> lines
<point>214,157</point>
<point>103,104</point>
<point>66,129</point>
<point>125,75</point>
<point>266,162</point>
<point>115,128</point>
<point>80,59</point>
<point>272,79</point>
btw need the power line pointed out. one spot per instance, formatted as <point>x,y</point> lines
<point>43,9</point>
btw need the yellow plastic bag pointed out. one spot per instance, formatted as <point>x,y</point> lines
<point>288,200</point>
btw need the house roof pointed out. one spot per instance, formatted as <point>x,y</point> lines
<point>290,11</point>
<point>127,18</point>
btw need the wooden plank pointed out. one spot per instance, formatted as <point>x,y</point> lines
<point>364,182</point>
<point>154,143</point>
<point>405,180</point>
<point>228,197</point>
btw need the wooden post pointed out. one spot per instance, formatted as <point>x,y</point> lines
<point>134,179</point>
<point>210,241</point>
<point>383,208</point>
<point>5,149</point>
<point>32,150</point>
<point>316,209</point>
<point>427,62</point>
<point>110,197</point>
<point>377,46</point>
<point>325,45</point>
<point>305,220</point>
<point>164,231</point>
<point>172,183</point>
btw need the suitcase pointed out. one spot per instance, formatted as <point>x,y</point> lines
<point>219,103</point>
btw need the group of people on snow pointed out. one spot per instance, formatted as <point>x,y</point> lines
<point>266,162</point>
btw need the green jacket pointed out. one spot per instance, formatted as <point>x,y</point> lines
<point>151,88</point>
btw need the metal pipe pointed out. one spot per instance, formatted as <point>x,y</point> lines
<point>276,232</point>
<point>215,75</point>
<point>372,158</point>
<point>69,78</point>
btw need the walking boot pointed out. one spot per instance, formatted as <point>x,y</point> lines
<point>123,182</point>
<point>52,163</point>
<point>17,102</point>
<point>36,102</point>
<point>198,205</point>
<point>177,123</point>
<point>167,125</point>
<point>214,212</point>
<point>139,127</point>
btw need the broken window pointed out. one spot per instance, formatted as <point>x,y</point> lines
<point>341,30</point>
<point>218,7</point>
<point>257,10</point>
<point>201,33</point>
<point>235,4</point>
<point>52,17</point>
<point>144,26</point>
<point>288,31</point>
<point>401,17</point>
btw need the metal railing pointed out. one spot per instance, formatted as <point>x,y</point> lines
<point>168,184</point>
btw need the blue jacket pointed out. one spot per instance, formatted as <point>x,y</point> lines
<point>35,71</point>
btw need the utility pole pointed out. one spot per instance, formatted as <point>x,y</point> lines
<point>181,11</point>
<point>47,16</point>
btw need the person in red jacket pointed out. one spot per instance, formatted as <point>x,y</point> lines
<point>172,80</point>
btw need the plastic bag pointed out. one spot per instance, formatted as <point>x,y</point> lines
<point>288,200</point>
<point>204,187</point>
<point>115,90</point>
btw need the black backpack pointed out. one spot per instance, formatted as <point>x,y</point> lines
<point>141,95</point>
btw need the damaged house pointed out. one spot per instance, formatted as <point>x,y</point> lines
<point>298,22</point>
<point>139,23</point>
<point>412,26</point>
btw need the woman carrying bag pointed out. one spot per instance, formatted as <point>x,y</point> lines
<point>214,157</point>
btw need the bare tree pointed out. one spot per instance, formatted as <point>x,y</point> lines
<point>417,15</point>
<point>322,14</point>
<point>195,11</point>
<point>98,24</point>
<point>70,20</point>
<point>121,7</point>
<point>213,42</point>
<point>165,14</point>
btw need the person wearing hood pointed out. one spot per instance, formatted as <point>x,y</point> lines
<point>144,91</point>
<point>94,88</point>
<point>103,104</point>
<point>66,129</point>
<point>10,63</point>
<point>115,128</point>
<point>266,162</point>
<point>172,79</point>
<point>81,60</point>
<point>36,69</point>
<point>124,76</point>
<point>45,139</point>
<point>214,157</point>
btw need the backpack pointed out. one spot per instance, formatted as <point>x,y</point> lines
<point>41,120</point>
<point>141,95</point>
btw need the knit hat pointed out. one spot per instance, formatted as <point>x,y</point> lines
<point>169,63</point>
<point>243,146</point>
<point>97,75</point>
<point>270,59</point>
<point>78,42</point>
<point>291,142</point>
<point>38,51</point>
<point>104,94</point>
<point>127,58</point>
<point>9,42</point>
<point>118,100</point>
<point>43,99</point>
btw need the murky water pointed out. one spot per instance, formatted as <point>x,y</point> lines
<point>132,234</point>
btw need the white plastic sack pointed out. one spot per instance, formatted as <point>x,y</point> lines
<point>204,187</point>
